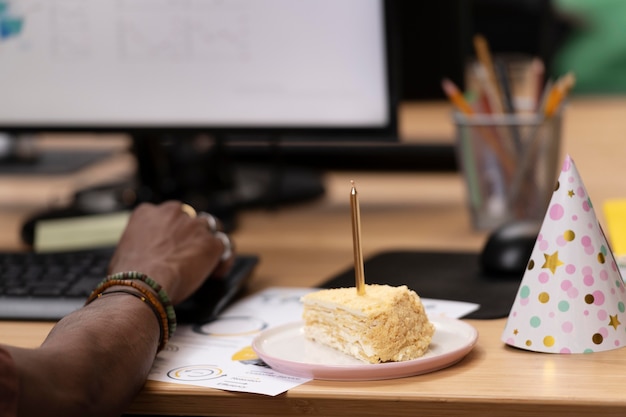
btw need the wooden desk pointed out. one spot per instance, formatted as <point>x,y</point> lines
<point>303,245</point>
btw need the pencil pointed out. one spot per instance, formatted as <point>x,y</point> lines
<point>456,97</point>
<point>484,57</point>
<point>487,90</point>
<point>558,93</point>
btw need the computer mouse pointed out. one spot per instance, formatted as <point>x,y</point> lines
<point>508,248</point>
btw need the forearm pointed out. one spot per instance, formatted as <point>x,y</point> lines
<point>92,363</point>
<point>96,360</point>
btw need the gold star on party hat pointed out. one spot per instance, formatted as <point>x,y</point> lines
<point>572,298</point>
<point>552,261</point>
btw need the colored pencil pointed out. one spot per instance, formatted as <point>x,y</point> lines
<point>483,54</point>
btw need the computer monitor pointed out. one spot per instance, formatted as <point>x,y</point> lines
<point>260,72</point>
<point>217,66</point>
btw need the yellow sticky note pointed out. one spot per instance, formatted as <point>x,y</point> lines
<point>615,215</point>
<point>82,232</point>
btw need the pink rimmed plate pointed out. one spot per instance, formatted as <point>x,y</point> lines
<point>286,350</point>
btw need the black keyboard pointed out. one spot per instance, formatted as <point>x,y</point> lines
<point>48,286</point>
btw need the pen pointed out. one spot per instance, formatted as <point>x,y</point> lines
<point>554,97</point>
<point>509,107</point>
<point>505,83</point>
<point>537,69</point>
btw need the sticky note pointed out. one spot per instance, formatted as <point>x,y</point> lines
<point>82,232</point>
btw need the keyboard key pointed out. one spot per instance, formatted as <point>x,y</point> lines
<point>59,274</point>
<point>49,286</point>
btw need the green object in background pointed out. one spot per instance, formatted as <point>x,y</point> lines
<point>10,25</point>
<point>596,49</point>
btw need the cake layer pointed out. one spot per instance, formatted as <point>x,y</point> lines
<point>385,324</point>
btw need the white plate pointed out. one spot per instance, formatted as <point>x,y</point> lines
<point>286,350</point>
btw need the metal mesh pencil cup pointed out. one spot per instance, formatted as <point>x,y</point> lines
<point>509,164</point>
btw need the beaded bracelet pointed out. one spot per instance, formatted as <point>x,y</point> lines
<point>150,298</point>
<point>165,300</point>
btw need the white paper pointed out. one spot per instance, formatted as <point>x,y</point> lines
<point>218,354</point>
<point>448,308</point>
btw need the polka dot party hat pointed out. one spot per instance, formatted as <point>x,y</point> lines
<point>572,297</point>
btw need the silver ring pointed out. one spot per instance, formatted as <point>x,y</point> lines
<point>211,221</point>
<point>228,245</point>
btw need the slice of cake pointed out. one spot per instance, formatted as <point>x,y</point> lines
<point>386,324</point>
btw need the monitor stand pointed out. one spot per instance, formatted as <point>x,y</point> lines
<point>200,171</point>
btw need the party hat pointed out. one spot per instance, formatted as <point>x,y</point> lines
<point>572,297</point>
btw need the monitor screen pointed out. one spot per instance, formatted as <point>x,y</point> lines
<point>249,65</point>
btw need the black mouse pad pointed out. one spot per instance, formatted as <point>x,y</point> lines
<point>443,275</point>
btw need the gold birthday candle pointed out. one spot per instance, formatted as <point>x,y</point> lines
<point>356,241</point>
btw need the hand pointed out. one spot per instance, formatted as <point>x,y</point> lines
<point>176,250</point>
